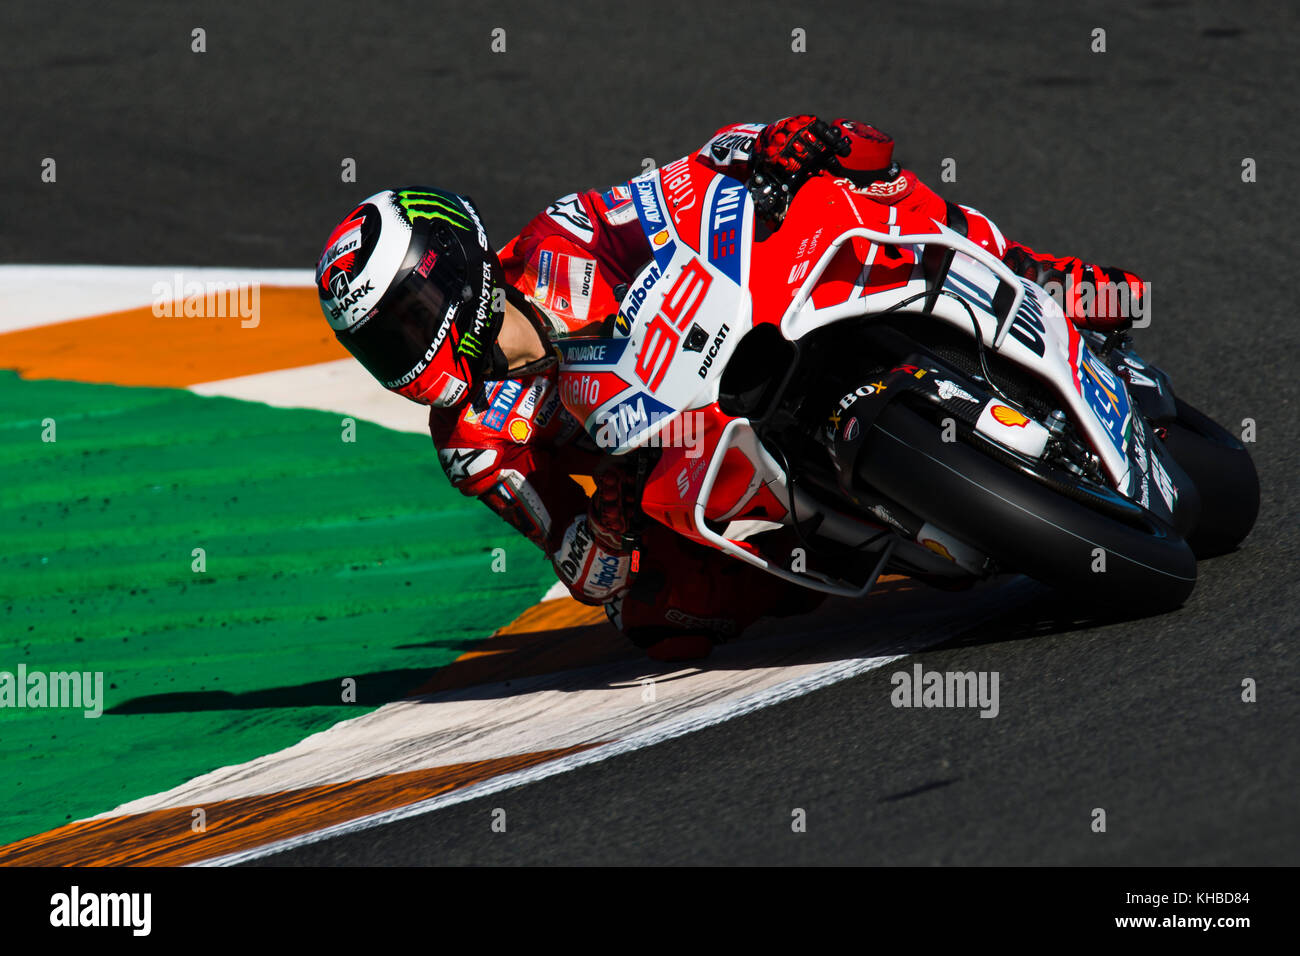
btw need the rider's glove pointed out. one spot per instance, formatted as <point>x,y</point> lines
<point>786,154</point>
<point>596,555</point>
<point>1100,298</point>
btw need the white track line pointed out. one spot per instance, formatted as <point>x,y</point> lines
<point>42,295</point>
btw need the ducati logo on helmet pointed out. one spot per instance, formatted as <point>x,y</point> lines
<point>339,284</point>
<point>345,261</point>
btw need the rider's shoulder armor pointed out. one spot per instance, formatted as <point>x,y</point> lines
<point>572,258</point>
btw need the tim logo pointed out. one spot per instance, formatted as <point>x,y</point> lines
<point>726,216</point>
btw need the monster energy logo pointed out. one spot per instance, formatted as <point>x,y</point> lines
<point>469,345</point>
<point>417,204</point>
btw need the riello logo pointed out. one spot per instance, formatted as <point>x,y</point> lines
<point>581,391</point>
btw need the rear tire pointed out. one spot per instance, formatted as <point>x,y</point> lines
<point>1023,525</point>
<point>1224,475</point>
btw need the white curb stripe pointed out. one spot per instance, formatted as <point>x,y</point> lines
<point>1009,595</point>
<point>648,738</point>
<point>342,386</point>
<point>42,295</point>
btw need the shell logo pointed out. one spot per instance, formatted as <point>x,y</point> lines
<point>520,430</point>
<point>1009,416</point>
<point>938,548</point>
<point>661,237</point>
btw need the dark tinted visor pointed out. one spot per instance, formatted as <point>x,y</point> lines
<point>394,342</point>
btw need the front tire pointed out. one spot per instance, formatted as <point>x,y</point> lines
<point>1140,565</point>
<point>1224,475</point>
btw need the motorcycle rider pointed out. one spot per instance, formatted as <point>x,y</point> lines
<point>413,289</point>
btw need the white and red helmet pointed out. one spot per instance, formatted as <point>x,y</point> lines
<point>409,285</point>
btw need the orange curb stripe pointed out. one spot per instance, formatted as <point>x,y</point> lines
<point>165,838</point>
<point>136,347</point>
<point>552,636</point>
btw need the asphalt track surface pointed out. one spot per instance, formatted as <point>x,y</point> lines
<point>1130,157</point>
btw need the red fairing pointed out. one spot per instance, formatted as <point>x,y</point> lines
<point>687,588</point>
<point>682,179</point>
<point>515,447</point>
<point>674,483</point>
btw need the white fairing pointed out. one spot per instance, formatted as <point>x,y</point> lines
<point>1016,317</point>
<point>685,314</point>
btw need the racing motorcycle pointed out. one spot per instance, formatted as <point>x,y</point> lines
<point>860,392</point>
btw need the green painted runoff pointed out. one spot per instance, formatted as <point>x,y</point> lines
<point>322,560</point>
